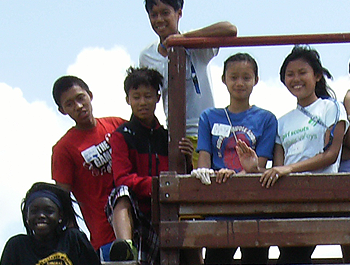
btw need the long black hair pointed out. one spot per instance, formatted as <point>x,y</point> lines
<point>66,205</point>
<point>312,57</point>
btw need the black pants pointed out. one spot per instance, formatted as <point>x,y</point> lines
<point>225,255</point>
<point>295,255</point>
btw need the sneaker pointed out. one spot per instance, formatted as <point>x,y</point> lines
<point>122,250</point>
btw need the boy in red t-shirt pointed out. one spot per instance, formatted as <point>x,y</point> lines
<point>81,159</point>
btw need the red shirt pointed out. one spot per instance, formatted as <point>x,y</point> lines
<point>82,159</point>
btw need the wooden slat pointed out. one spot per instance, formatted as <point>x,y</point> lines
<point>246,188</point>
<point>251,233</point>
<point>262,209</point>
<point>211,42</point>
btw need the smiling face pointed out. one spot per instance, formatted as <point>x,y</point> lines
<point>76,102</point>
<point>143,102</point>
<point>240,79</point>
<point>43,217</point>
<point>300,79</point>
<point>164,19</point>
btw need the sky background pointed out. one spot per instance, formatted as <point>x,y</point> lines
<point>98,40</point>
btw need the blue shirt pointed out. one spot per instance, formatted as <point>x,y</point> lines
<point>256,127</point>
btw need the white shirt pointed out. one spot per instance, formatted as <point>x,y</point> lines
<point>195,103</point>
<point>302,138</point>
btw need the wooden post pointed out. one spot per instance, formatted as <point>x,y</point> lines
<point>177,108</point>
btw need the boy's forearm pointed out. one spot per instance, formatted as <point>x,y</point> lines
<point>219,29</point>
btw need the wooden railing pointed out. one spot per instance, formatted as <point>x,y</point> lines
<point>177,92</point>
<point>300,210</point>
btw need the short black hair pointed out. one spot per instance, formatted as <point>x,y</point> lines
<point>64,83</point>
<point>176,4</point>
<point>142,76</point>
<point>68,213</point>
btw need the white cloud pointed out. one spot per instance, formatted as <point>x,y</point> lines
<point>29,130</point>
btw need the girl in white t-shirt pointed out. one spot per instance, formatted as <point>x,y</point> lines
<point>309,137</point>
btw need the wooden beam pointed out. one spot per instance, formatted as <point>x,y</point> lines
<point>298,188</point>
<point>213,42</point>
<point>254,232</point>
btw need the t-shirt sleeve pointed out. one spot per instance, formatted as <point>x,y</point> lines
<point>204,134</point>
<point>62,165</point>
<point>147,55</point>
<point>336,112</point>
<point>265,144</point>
<point>205,55</point>
<point>142,62</point>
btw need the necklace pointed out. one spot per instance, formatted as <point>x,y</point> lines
<point>229,121</point>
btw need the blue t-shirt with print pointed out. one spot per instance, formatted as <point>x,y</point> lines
<point>256,127</point>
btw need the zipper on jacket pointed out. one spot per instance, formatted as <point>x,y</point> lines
<point>150,154</point>
<point>157,165</point>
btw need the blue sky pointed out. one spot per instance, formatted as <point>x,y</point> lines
<point>97,40</point>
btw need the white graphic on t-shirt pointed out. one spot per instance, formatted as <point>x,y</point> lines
<point>98,158</point>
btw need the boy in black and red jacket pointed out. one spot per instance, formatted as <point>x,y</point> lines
<point>139,152</point>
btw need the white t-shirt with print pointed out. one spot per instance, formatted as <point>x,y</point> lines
<point>303,138</point>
